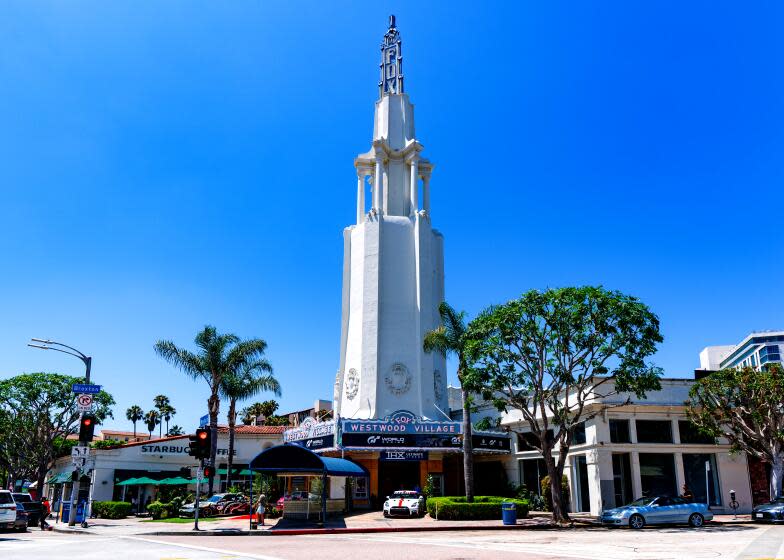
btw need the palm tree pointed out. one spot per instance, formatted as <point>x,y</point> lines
<point>248,381</point>
<point>267,409</point>
<point>218,355</point>
<point>134,414</point>
<point>161,402</point>
<point>250,414</point>
<point>175,431</point>
<point>152,419</point>
<point>166,414</point>
<point>452,338</point>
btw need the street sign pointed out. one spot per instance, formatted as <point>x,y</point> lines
<point>199,474</point>
<point>84,402</point>
<point>204,420</point>
<point>84,463</point>
<point>80,451</point>
<point>85,388</point>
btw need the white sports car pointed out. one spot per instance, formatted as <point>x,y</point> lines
<point>405,502</point>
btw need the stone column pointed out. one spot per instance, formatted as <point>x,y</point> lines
<point>360,195</point>
<point>413,195</point>
<point>379,179</point>
<point>636,479</point>
<point>426,193</point>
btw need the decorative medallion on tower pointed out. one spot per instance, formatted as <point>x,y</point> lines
<point>352,384</point>
<point>398,379</point>
<point>391,62</point>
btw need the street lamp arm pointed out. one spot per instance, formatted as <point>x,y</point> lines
<point>79,355</point>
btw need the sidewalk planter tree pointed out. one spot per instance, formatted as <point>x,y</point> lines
<point>217,356</point>
<point>745,406</point>
<point>548,353</point>
<point>451,338</point>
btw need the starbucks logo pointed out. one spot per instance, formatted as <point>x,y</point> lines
<point>352,384</point>
<point>398,379</point>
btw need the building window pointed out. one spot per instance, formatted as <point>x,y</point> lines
<point>361,488</point>
<point>622,479</point>
<point>654,431</point>
<point>578,437</point>
<point>532,471</point>
<point>657,475</point>
<point>690,434</point>
<point>619,431</point>
<point>528,441</point>
<point>694,472</point>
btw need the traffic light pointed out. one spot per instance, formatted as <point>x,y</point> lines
<point>185,472</point>
<point>87,427</point>
<point>200,444</point>
<point>209,471</point>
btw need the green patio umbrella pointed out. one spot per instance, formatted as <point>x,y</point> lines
<point>145,480</point>
<point>127,482</point>
<point>243,472</point>
<point>177,480</point>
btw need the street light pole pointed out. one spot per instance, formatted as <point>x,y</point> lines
<point>76,480</point>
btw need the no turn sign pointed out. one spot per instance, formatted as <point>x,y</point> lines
<point>84,402</point>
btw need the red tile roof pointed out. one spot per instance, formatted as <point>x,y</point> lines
<point>254,429</point>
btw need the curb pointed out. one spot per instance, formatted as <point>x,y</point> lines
<point>72,531</point>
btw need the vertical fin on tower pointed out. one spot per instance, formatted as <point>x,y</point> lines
<point>391,62</point>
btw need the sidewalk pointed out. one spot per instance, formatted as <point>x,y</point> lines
<point>363,522</point>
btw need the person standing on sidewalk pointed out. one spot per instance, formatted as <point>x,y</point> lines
<point>261,507</point>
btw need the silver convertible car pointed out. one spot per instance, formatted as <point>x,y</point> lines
<point>657,510</point>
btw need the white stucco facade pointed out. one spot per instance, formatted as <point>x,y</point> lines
<point>393,278</point>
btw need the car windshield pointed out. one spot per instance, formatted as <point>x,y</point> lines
<point>213,499</point>
<point>22,498</point>
<point>639,502</point>
<point>5,498</point>
<point>779,500</point>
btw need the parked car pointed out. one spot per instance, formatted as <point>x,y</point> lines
<point>772,512</point>
<point>295,497</point>
<point>7,510</point>
<point>33,508</point>
<point>208,507</point>
<point>22,519</point>
<point>655,511</point>
<point>409,503</point>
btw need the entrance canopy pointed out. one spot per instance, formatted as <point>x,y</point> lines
<point>288,458</point>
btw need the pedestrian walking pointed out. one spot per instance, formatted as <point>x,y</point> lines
<point>46,509</point>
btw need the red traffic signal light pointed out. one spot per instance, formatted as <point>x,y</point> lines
<point>87,427</point>
<point>209,472</point>
<point>200,444</point>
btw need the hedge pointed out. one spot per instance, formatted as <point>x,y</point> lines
<point>483,507</point>
<point>112,510</point>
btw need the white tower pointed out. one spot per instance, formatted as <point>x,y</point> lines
<point>393,268</point>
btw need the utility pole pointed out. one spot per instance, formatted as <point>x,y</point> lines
<point>76,484</point>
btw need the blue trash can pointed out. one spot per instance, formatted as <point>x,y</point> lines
<point>509,513</point>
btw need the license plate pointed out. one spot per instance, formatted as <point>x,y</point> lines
<point>758,515</point>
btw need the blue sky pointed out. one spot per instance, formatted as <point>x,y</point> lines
<point>168,165</point>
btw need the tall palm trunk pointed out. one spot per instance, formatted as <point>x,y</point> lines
<point>134,431</point>
<point>213,404</point>
<point>468,448</point>
<point>232,424</point>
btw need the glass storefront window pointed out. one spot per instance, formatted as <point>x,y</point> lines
<point>532,471</point>
<point>657,475</point>
<point>654,431</point>
<point>361,488</point>
<point>690,434</point>
<point>694,475</point>
<point>619,431</point>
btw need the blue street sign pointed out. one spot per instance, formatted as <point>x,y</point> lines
<point>85,388</point>
<point>204,420</point>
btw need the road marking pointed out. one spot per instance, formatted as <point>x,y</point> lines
<point>225,552</point>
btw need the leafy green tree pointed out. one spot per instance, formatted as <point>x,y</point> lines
<point>152,419</point>
<point>451,338</point>
<point>217,356</point>
<point>746,407</point>
<point>267,408</point>
<point>175,430</point>
<point>37,412</point>
<point>134,414</point>
<point>277,421</point>
<point>162,404</point>
<point>549,353</point>
<point>247,381</point>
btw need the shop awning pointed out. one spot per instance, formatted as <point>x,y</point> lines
<point>60,478</point>
<point>288,458</point>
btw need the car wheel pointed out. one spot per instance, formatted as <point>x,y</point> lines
<point>386,514</point>
<point>636,521</point>
<point>696,520</point>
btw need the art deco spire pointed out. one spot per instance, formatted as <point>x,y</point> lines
<point>391,62</point>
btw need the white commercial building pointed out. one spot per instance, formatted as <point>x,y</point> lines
<point>628,450</point>
<point>757,350</point>
<point>156,459</point>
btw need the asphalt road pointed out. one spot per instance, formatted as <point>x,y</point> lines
<point>747,542</point>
